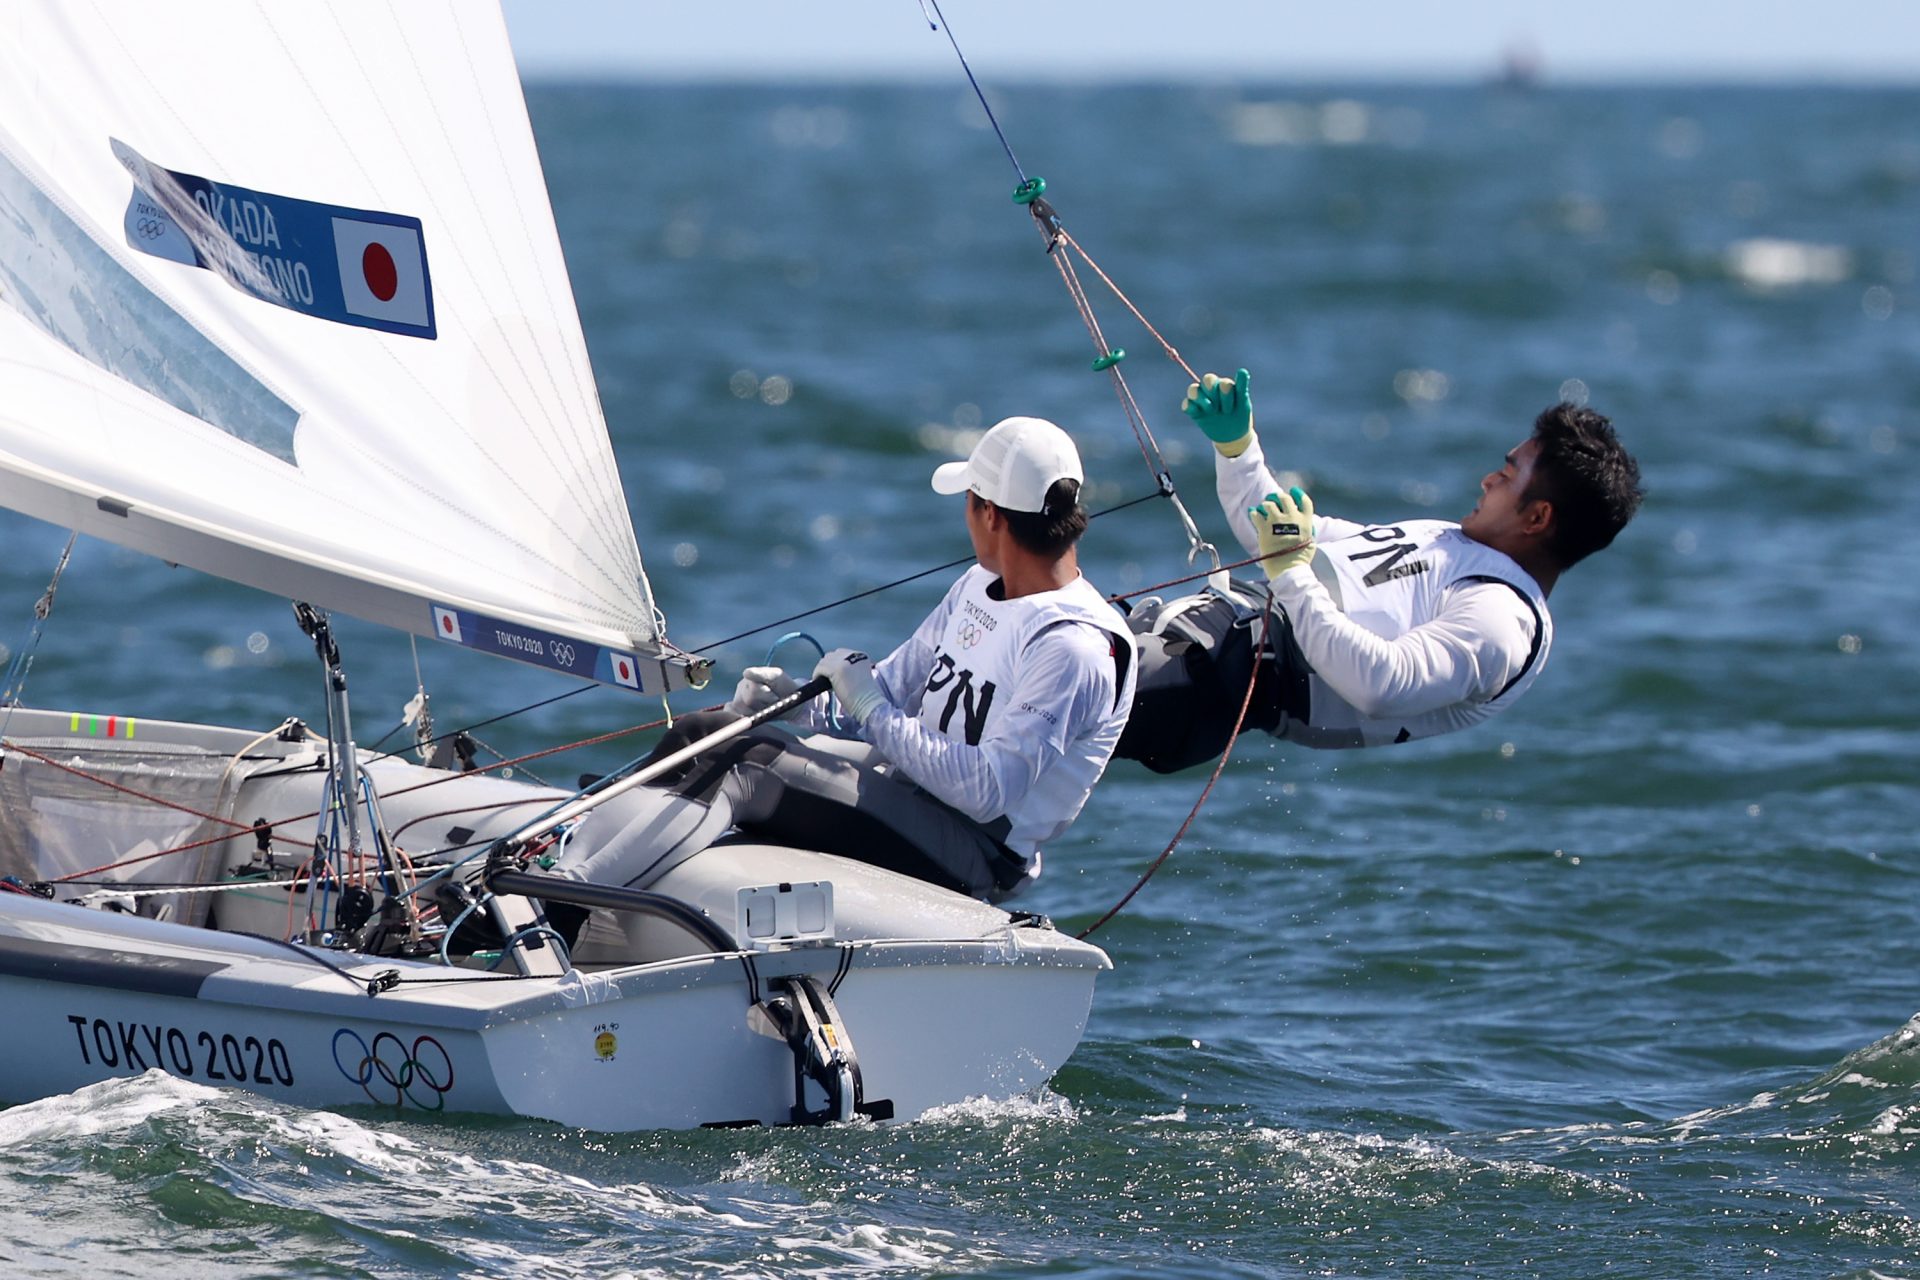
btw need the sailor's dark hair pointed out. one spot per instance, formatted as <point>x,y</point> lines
<point>1052,531</point>
<point>1588,476</point>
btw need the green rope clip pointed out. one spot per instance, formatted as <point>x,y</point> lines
<point>1029,191</point>
<point>1110,359</point>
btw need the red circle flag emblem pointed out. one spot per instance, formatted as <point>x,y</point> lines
<point>382,276</point>
<point>625,669</point>
<point>446,624</point>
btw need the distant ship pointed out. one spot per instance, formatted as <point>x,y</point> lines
<point>1520,67</point>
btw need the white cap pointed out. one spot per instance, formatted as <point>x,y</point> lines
<point>1014,465</point>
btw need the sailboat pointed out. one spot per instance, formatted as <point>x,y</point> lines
<point>282,301</point>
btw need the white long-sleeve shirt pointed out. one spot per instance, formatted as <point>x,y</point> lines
<point>1004,708</point>
<point>1411,629</point>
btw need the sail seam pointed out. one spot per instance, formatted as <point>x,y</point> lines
<point>557,426</point>
<point>610,613</point>
<point>612,494</point>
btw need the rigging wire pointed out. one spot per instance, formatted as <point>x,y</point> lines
<point>1107,358</point>
<point>245,828</point>
<point>937,21</point>
<point>22,665</point>
<point>888,586</point>
<point>1060,248</point>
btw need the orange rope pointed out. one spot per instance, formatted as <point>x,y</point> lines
<point>1205,791</point>
<point>114,786</point>
<point>244,828</point>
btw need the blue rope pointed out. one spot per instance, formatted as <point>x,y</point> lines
<point>532,930</point>
<point>454,928</point>
<point>942,24</point>
<point>774,648</point>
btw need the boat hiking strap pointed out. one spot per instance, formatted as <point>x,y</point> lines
<point>1226,753</point>
<point>1107,358</point>
<point>504,876</point>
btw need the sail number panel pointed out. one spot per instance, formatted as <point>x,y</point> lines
<point>350,266</point>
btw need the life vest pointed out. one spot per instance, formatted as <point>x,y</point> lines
<point>978,657</point>
<point>1391,579</point>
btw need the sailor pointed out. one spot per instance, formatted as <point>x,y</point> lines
<point>962,753</point>
<point>1378,633</point>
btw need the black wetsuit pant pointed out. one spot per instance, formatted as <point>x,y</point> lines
<point>1198,654</point>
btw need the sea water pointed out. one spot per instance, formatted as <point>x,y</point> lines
<point>1617,983</point>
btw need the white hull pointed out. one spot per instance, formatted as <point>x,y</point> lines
<point>943,998</point>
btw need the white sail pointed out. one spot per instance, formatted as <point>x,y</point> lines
<point>281,298</point>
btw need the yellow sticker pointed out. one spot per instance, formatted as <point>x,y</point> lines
<point>605,1044</point>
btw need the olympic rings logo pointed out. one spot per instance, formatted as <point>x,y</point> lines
<point>970,635</point>
<point>421,1075</point>
<point>151,228</point>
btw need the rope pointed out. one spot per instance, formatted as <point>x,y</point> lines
<point>1197,577</point>
<point>1106,358</point>
<point>31,754</point>
<point>500,755</point>
<point>111,890</point>
<point>1205,791</point>
<point>244,828</point>
<point>481,724</point>
<point>897,582</point>
<point>1173,354</point>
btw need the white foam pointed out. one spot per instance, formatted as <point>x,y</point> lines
<point>1046,1106</point>
<point>1767,263</point>
<point>1355,1161</point>
<point>871,1245</point>
<point>1894,1120</point>
<point>108,1107</point>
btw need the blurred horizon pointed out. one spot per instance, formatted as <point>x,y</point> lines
<point>1314,79</point>
<point>1706,42</point>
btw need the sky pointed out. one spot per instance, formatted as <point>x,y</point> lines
<point>1868,41</point>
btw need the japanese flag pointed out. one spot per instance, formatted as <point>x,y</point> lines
<point>446,624</point>
<point>625,670</point>
<point>383,271</point>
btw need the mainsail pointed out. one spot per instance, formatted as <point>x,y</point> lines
<point>282,299</point>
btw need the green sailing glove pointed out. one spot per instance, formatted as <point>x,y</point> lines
<point>1284,526</point>
<point>1224,410</point>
